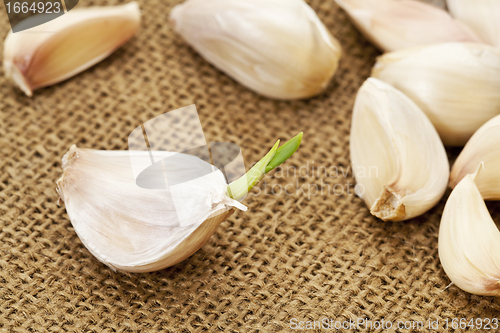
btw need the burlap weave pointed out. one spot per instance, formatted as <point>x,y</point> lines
<point>297,255</point>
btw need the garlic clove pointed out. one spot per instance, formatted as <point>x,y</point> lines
<point>134,229</point>
<point>481,148</point>
<point>399,24</point>
<point>59,49</point>
<point>469,240</point>
<point>398,160</point>
<point>277,48</point>
<point>455,84</point>
<point>483,17</point>
<point>130,228</point>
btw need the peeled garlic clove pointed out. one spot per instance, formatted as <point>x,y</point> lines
<point>398,160</point>
<point>481,148</point>
<point>135,229</point>
<point>469,240</point>
<point>455,84</point>
<point>278,48</point>
<point>482,16</point>
<point>393,24</point>
<point>61,48</point>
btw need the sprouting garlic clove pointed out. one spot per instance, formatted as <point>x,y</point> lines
<point>482,16</point>
<point>399,24</point>
<point>130,228</point>
<point>481,148</point>
<point>135,229</point>
<point>469,240</point>
<point>61,48</point>
<point>277,48</point>
<point>455,84</point>
<point>398,160</point>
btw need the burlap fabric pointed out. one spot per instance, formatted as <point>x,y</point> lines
<point>299,254</point>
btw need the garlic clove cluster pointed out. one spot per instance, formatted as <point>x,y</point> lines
<point>468,241</point>
<point>482,16</point>
<point>398,159</point>
<point>61,48</point>
<point>135,229</point>
<point>455,84</point>
<point>481,148</point>
<point>399,24</point>
<point>277,48</point>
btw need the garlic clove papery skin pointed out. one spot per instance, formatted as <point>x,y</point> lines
<point>277,48</point>
<point>397,158</point>
<point>455,84</point>
<point>399,24</point>
<point>135,229</point>
<point>61,48</point>
<point>469,241</point>
<point>482,16</point>
<point>482,148</point>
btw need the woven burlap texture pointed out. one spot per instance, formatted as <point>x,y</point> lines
<point>299,254</point>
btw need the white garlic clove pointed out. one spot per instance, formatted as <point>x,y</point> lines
<point>455,84</point>
<point>398,160</point>
<point>469,240</point>
<point>135,229</point>
<point>399,24</point>
<point>61,48</point>
<point>482,16</point>
<point>481,148</point>
<point>277,48</point>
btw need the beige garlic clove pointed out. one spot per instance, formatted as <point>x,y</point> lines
<point>482,16</point>
<point>277,48</point>
<point>61,48</point>
<point>481,148</point>
<point>469,241</point>
<point>455,84</point>
<point>398,160</point>
<point>399,24</point>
